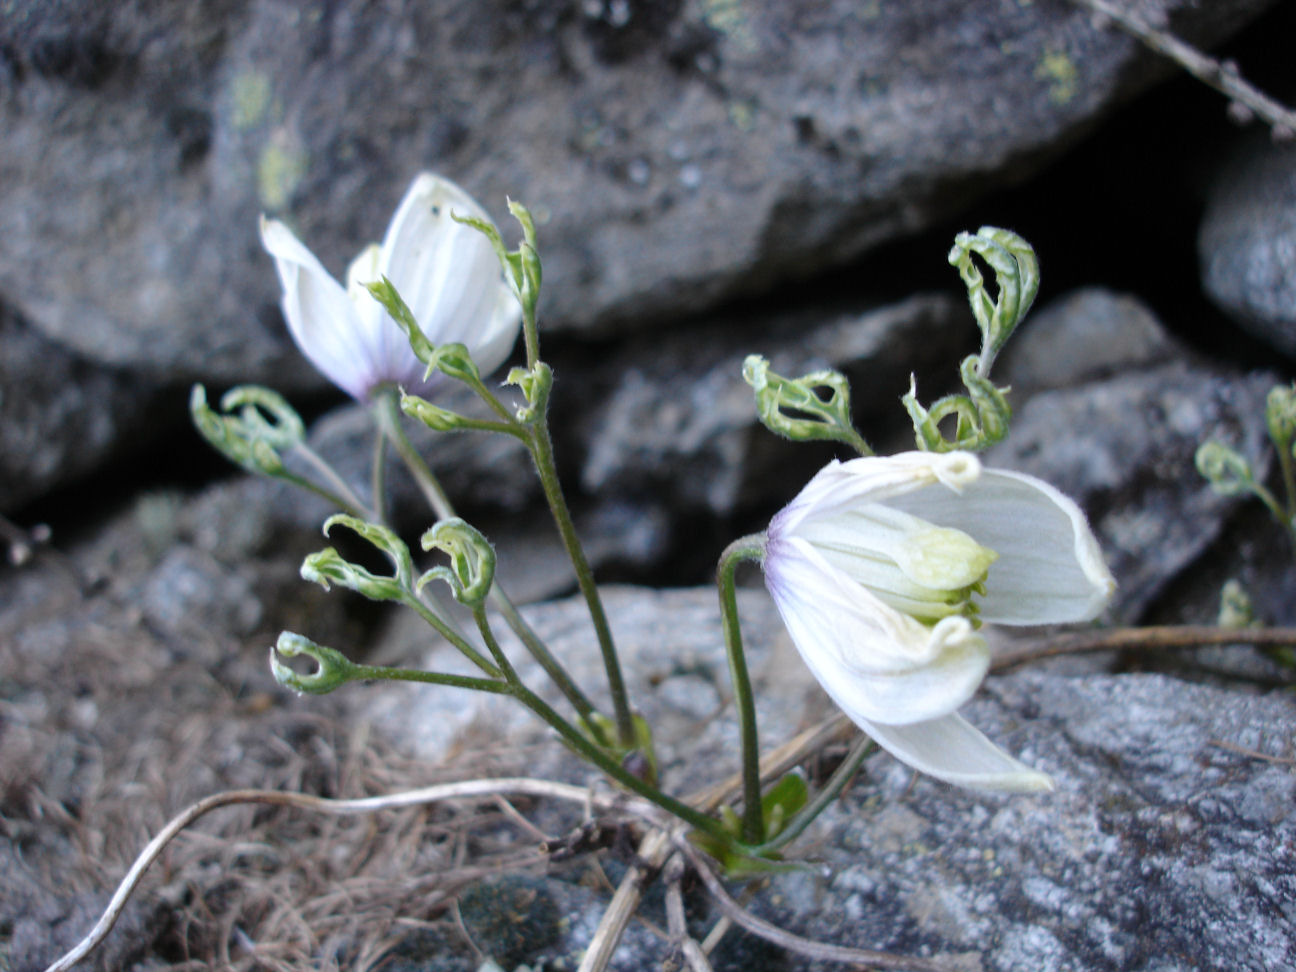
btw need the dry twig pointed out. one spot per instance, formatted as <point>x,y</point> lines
<point>1223,77</point>
<point>1152,638</point>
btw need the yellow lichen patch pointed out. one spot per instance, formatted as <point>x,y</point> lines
<point>1057,68</point>
<point>250,93</point>
<point>280,168</point>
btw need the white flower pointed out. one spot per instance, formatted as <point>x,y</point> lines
<point>878,566</point>
<point>447,274</point>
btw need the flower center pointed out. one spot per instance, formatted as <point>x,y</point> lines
<point>923,570</point>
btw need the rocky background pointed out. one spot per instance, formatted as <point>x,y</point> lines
<point>712,178</point>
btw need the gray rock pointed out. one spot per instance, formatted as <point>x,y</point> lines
<point>679,425</point>
<point>674,153</point>
<point>1163,846</point>
<point>1122,446</point>
<point>61,416</point>
<point>1247,243</point>
<point>1086,335</point>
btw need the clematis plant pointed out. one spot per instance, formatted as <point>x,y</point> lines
<point>881,568</point>
<point>446,271</point>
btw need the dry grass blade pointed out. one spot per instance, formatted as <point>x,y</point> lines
<point>446,791</point>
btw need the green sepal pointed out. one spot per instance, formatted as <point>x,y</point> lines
<point>535,384</point>
<point>257,426</point>
<point>1228,473</point>
<point>815,406</point>
<point>472,560</point>
<point>433,416</point>
<point>327,566</point>
<point>334,669</point>
<point>384,291</point>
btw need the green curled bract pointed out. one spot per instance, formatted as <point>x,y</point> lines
<point>815,406</point>
<point>327,566</point>
<point>255,425</point>
<point>981,416</point>
<point>1228,473</point>
<point>1017,279</point>
<point>471,571</point>
<point>332,667</point>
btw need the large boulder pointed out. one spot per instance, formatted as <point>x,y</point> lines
<point>1247,242</point>
<point>674,153</point>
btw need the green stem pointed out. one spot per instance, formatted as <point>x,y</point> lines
<point>341,495</point>
<point>1271,502</point>
<point>747,548</point>
<point>1289,483</point>
<point>387,410</point>
<point>600,758</point>
<point>494,686</point>
<point>858,442</point>
<point>802,819</point>
<point>542,452</point>
<point>583,746</point>
<point>379,473</point>
<point>451,635</point>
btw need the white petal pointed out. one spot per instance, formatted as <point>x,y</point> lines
<point>492,346</point>
<point>448,273</point>
<point>874,662</point>
<point>872,479</point>
<point>1050,569</point>
<point>951,749</point>
<point>320,315</point>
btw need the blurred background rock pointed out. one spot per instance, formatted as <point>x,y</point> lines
<point>711,179</point>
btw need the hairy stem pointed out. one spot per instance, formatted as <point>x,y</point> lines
<point>747,548</point>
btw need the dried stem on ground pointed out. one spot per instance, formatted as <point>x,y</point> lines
<point>1152,638</point>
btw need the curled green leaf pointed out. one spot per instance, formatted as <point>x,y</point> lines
<point>1228,473</point>
<point>255,425</point>
<point>981,416</point>
<point>472,560</point>
<point>333,668</point>
<point>815,406</point>
<point>1016,271</point>
<point>327,566</point>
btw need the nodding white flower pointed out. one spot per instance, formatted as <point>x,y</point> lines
<point>447,273</point>
<point>879,569</point>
